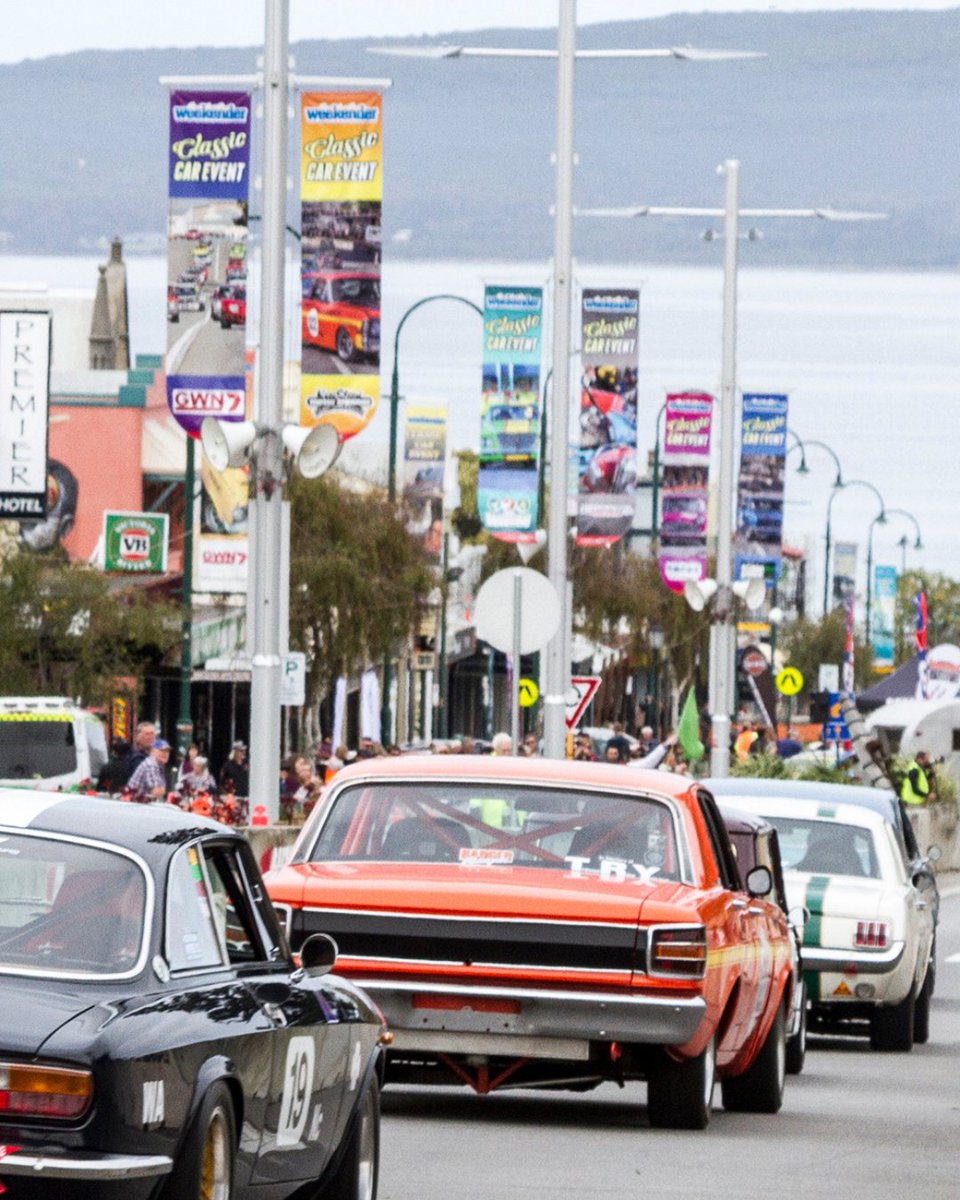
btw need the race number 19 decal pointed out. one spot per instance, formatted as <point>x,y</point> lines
<point>297,1090</point>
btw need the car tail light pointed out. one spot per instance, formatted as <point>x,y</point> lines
<point>32,1091</point>
<point>678,950</point>
<point>872,935</point>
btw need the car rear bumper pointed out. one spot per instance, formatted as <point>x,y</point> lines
<point>858,962</point>
<point>81,1165</point>
<point>534,1022</point>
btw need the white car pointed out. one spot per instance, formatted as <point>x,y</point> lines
<point>868,936</point>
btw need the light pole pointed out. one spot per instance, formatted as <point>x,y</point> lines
<point>655,486</point>
<point>556,661</point>
<point>881,519</point>
<point>722,628</point>
<point>655,637</point>
<point>386,713</point>
<point>837,490</point>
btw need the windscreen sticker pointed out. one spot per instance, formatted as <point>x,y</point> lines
<point>484,856</point>
<point>616,870</point>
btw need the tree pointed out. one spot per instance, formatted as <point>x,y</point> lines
<point>358,581</point>
<point>807,643</point>
<point>943,610</point>
<point>70,630</point>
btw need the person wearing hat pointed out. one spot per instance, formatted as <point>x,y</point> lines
<point>916,788</point>
<point>149,780</point>
<point>234,774</point>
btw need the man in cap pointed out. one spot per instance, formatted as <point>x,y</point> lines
<point>234,774</point>
<point>149,780</point>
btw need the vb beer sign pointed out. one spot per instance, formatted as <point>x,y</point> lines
<point>135,542</point>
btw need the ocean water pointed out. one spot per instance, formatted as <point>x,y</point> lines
<point>870,360</point>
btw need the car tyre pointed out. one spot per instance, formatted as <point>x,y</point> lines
<point>204,1168</point>
<point>345,347</point>
<point>921,1012</point>
<point>680,1094</point>
<point>891,1027</point>
<point>356,1177</point>
<point>760,1088</point>
<point>797,1045</point>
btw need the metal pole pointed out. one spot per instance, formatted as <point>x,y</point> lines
<point>655,498</point>
<point>443,724</point>
<point>826,564</point>
<point>266,572</point>
<point>556,664</point>
<point>722,631</point>
<point>869,576</point>
<point>185,719</point>
<point>515,672</point>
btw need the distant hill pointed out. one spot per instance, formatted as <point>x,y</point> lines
<point>850,109</point>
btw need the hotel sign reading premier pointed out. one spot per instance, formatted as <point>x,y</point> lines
<point>24,402</point>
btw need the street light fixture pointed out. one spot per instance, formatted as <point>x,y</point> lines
<point>556,662</point>
<point>881,519</point>
<point>722,630</point>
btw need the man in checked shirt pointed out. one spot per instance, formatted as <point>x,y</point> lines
<point>149,780</point>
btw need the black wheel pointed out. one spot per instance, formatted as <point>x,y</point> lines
<point>345,347</point>
<point>921,1011</point>
<point>797,1045</point>
<point>680,1095</point>
<point>204,1167</point>
<point>760,1087</point>
<point>356,1176</point>
<point>891,1027</point>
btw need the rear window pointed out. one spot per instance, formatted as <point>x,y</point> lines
<point>69,909</point>
<point>36,747</point>
<point>826,847</point>
<point>479,824</point>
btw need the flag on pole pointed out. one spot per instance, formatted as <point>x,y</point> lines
<point>688,729</point>
<point>920,643</point>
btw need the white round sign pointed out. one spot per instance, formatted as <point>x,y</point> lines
<point>539,610</point>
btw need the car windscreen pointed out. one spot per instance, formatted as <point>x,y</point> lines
<point>493,824</point>
<point>36,747</point>
<point>357,291</point>
<point>68,909</point>
<point>826,847</point>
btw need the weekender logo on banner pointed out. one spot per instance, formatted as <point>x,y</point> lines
<point>607,466</point>
<point>763,450</point>
<point>882,616</point>
<point>425,457</point>
<point>510,412</point>
<point>341,193</point>
<point>684,488</point>
<point>208,177</point>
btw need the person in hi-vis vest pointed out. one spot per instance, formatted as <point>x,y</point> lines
<point>916,788</point>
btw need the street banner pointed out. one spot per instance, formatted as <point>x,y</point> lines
<point>844,570</point>
<point>763,447</point>
<point>882,617</point>
<point>510,412</point>
<point>607,446</point>
<point>424,458</point>
<point>684,488</point>
<point>208,187</point>
<point>135,542</point>
<point>341,193</point>
<point>847,673</point>
<point>24,408</point>
<point>920,645</point>
<point>222,522</point>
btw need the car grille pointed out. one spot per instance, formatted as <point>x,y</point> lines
<point>473,941</point>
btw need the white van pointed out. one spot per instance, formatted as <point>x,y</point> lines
<point>906,726</point>
<point>49,742</point>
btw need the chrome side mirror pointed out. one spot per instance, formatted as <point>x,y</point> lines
<point>318,955</point>
<point>759,881</point>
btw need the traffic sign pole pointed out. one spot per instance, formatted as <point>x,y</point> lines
<point>515,672</point>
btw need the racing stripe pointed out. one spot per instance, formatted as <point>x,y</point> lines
<point>21,810</point>
<point>812,931</point>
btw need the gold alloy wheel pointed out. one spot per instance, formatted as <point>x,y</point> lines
<point>215,1166</point>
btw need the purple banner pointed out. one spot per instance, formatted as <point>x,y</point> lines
<point>684,488</point>
<point>209,144</point>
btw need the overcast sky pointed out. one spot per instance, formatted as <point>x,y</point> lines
<point>44,27</point>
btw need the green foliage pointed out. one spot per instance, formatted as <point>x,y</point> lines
<point>807,643</point>
<point>943,610</point>
<point>70,630</point>
<point>358,580</point>
<point>759,766</point>
<point>825,773</point>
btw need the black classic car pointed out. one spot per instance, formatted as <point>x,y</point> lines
<point>157,1040</point>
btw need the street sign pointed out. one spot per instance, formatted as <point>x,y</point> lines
<point>529,693</point>
<point>582,691</point>
<point>789,681</point>
<point>539,610</point>
<point>754,662</point>
<point>293,679</point>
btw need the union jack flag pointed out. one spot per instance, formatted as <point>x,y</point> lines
<point>920,643</point>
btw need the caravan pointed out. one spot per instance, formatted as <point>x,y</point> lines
<point>906,726</point>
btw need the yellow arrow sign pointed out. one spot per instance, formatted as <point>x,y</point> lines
<point>529,693</point>
<point>789,681</point>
